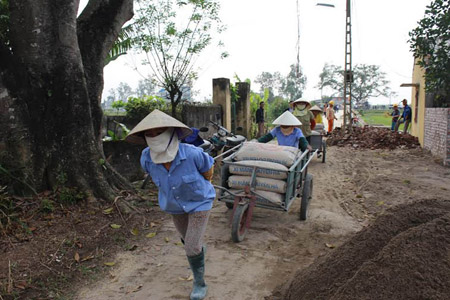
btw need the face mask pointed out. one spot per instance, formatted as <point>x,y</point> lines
<point>300,110</point>
<point>164,147</point>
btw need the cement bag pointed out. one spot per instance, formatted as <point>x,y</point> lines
<point>284,155</point>
<point>264,184</point>
<point>274,197</point>
<point>277,171</point>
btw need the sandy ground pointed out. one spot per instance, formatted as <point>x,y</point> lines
<point>350,190</point>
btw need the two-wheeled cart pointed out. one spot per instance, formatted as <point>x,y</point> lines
<point>318,143</point>
<point>299,184</point>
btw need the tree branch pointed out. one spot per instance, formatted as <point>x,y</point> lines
<point>98,27</point>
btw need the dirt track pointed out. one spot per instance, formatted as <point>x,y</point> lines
<point>350,190</point>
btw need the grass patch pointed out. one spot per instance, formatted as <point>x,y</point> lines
<point>114,112</point>
<point>378,117</point>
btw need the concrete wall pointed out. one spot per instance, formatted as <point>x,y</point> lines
<point>243,109</point>
<point>437,133</point>
<point>191,115</point>
<point>222,97</point>
<point>125,158</point>
<point>199,115</point>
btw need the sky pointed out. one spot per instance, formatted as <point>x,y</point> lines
<point>262,36</point>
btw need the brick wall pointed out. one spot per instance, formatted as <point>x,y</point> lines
<point>437,133</point>
<point>447,158</point>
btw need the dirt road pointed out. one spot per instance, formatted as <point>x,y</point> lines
<point>350,190</point>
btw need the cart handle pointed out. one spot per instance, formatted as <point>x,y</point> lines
<point>309,160</point>
<point>229,150</point>
<point>294,165</point>
<point>225,189</point>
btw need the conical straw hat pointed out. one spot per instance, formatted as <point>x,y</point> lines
<point>301,100</point>
<point>315,107</point>
<point>287,119</point>
<point>156,119</point>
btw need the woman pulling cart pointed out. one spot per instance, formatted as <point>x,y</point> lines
<point>182,173</point>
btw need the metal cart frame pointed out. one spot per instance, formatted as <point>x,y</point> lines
<point>318,143</point>
<point>243,201</point>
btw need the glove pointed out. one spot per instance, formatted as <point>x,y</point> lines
<point>208,175</point>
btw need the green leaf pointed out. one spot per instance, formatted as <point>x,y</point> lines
<point>151,234</point>
<point>108,211</point>
<point>115,226</point>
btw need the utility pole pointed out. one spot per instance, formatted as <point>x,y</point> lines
<point>298,69</point>
<point>348,74</point>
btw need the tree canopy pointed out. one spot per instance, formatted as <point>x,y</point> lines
<point>270,81</point>
<point>172,34</point>
<point>368,81</point>
<point>430,43</point>
<point>290,86</point>
<point>294,83</point>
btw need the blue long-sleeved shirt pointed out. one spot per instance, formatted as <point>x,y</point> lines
<point>406,115</point>
<point>182,189</point>
<point>291,140</point>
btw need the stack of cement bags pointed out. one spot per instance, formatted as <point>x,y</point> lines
<point>274,162</point>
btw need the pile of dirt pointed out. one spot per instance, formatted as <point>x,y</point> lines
<point>372,138</point>
<point>402,255</point>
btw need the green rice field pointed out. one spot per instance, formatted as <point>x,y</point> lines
<point>378,117</point>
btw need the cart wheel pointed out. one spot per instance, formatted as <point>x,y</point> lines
<point>238,229</point>
<point>229,205</point>
<point>306,196</point>
<point>324,151</point>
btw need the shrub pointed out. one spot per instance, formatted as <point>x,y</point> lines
<point>137,108</point>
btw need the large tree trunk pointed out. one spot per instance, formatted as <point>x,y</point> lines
<point>53,71</point>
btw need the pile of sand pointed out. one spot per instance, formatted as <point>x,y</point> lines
<point>372,138</point>
<point>404,254</point>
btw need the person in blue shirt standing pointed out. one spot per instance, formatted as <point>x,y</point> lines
<point>395,115</point>
<point>183,174</point>
<point>405,118</point>
<point>286,133</point>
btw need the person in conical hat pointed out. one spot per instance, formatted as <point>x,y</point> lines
<point>305,116</point>
<point>317,112</point>
<point>330,116</point>
<point>182,174</point>
<point>287,133</point>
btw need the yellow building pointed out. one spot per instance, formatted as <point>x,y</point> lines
<point>417,102</point>
<point>430,124</point>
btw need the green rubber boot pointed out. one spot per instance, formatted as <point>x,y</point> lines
<point>197,264</point>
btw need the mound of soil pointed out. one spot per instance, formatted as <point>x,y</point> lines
<point>372,138</point>
<point>404,254</point>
